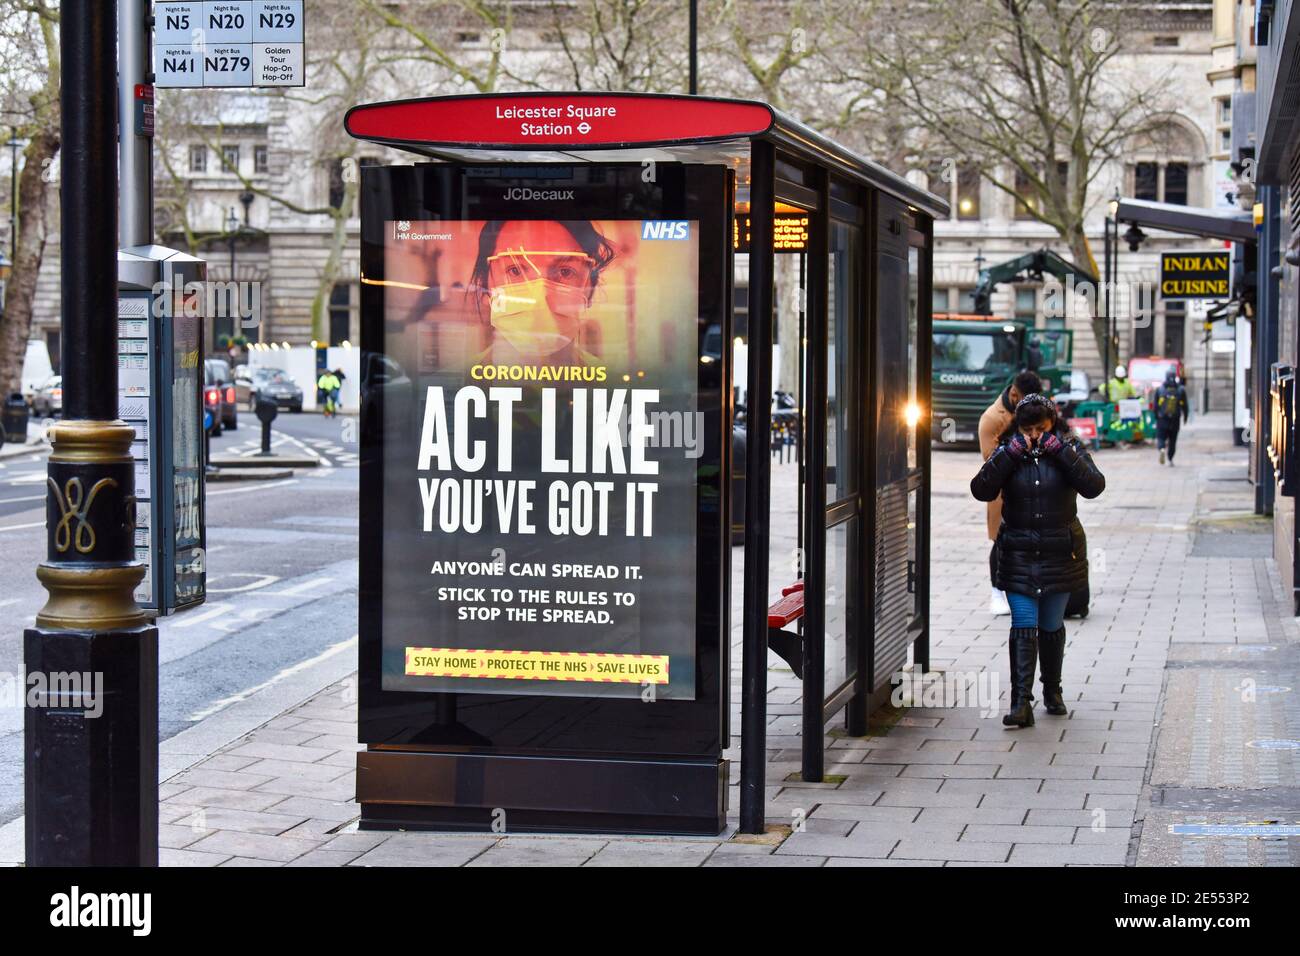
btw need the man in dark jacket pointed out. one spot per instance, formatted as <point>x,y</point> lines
<point>1040,470</point>
<point>1170,406</point>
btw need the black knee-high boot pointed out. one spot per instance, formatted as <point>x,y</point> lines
<point>1024,659</point>
<point>1051,652</point>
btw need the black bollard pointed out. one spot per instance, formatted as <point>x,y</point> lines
<point>266,411</point>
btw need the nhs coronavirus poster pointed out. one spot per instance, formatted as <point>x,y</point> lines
<point>537,394</point>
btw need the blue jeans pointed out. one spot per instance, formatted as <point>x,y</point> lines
<point>1045,613</point>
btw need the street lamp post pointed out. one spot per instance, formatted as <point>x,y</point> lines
<point>91,660</point>
<point>1134,236</point>
<point>232,232</point>
<point>1110,231</point>
<point>693,40</point>
<point>14,145</point>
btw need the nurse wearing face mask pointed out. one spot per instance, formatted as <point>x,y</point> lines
<point>536,280</point>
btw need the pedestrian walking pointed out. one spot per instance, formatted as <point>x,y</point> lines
<point>329,386</point>
<point>1170,405</point>
<point>997,418</point>
<point>1039,469</point>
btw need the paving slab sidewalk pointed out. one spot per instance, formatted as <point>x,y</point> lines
<point>929,785</point>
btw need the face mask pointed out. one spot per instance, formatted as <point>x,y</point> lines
<point>537,317</point>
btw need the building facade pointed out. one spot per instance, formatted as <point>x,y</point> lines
<point>1276,29</point>
<point>1184,162</point>
<point>261,186</point>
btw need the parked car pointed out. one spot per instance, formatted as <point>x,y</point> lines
<point>243,384</point>
<point>217,372</point>
<point>47,402</point>
<point>275,384</point>
<point>212,405</point>
<point>1077,390</point>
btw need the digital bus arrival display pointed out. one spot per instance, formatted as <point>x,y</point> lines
<point>789,232</point>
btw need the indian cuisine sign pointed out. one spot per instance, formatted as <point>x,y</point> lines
<point>1195,275</point>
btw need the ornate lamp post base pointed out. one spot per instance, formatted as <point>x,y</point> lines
<point>91,768</point>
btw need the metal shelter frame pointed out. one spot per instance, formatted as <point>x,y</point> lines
<point>788,163</point>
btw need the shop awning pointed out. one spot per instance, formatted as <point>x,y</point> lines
<point>1229,224</point>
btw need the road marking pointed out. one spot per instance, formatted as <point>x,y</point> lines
<point>5,501</point>
<point>299,588</point>
<point>207,614</point>
<point>288,672</point>
<point>310,451</point>
<point>269,484</point>
<point>7,601</point>
<point>256,447</point>
<point>20,527</point>
<point>245,617</point>
<point>264,580</point>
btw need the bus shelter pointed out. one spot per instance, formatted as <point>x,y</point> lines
<point>567,306</point>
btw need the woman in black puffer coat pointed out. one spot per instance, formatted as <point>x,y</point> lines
<point>1040,469</point>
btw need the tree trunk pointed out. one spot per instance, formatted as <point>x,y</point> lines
<point>1081,253</point>
<point>20,291</point>
<point>333,263</point>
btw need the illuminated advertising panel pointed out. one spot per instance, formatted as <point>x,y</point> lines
<point>542,511</point>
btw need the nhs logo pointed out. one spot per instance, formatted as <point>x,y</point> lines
<point>665,229</point>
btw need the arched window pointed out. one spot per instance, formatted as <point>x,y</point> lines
<point>1167,163</point>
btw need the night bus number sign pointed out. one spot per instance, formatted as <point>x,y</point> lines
<point>228,43</point>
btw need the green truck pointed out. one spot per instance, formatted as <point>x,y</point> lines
<point>975,356</point>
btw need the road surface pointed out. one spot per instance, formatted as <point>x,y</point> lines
<point>274,547</point>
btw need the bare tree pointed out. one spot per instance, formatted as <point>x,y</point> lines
<point>185,118</point>
<point>461,42</point>
<point>1028,91</point>
<point>29,72</point>
<point>615,45</point>
<point>346,68</point>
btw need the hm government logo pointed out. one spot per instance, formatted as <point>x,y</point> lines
<point>402,230</point>
<point>537,195</point>
<point>678,229</point>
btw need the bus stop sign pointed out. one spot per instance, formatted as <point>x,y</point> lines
<point>228,43</point>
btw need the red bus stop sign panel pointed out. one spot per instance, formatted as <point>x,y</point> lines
<point>557,120</point>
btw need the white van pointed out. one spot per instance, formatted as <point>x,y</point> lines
<point>37,369</point>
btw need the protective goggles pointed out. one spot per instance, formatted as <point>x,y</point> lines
<point>514,266</point>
